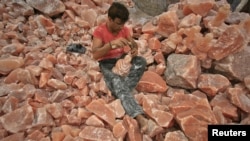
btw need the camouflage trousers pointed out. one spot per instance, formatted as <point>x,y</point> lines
<point>121,87</point>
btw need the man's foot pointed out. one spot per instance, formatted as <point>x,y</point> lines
<point>143,123</point>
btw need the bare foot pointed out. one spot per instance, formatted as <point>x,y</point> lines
<point>143,123</point>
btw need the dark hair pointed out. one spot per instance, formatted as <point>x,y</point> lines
<point>118,10</point>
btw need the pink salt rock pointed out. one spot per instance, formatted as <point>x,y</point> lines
<point>182,71</point>
<point>10,104</point>
<point>102,110</point>
<point>10,63</point>
<point>221,101</point>
<point>83,113</point>
<point>223,13</point>
<point>235,66</point>
<point>230,41</point>
<point>151,82</point>
<point>55,109</point>
<point>70,130</point>
<point>46,23</point>
<point>193,114</point>
<point>50,8</point>
<point>168,23</point>
<point>160,68</point>
<point>175,136</point>
<point>42,118</point>
<point>200,7</point>
<point>94,121</point>
<point>247,81</point>
<point>149,28</point>
<point>14,137</point>
<point>116,105</point>
<point>44,77</point>
<point>194,129</point>
<point>221,119</point>
<point>21,75</point>
<point>96,133</point>
<point>14,48</point>
<point>154,43</point>
<point>36,135</point>
<point>23,115</point>
<point>57,136</point>
<point>153,128</point>
<point>57,84</point>
<point>46,64</point>
<point>89,15</point>
<point>151,108</point>
<point>94,75</point>
<point>35,70</point>
<point>239,99</point>
<point>190,20</point>
<point>159,58</point>
<point>119,130</point>
<point>123,66</point>
<point>212,84</point>
<point>133,129</point>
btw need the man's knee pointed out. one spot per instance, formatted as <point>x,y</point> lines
<point>138,60</point>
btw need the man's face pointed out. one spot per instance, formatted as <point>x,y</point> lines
<point>116,25</point>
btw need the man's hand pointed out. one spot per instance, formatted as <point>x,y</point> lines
<point>120,42</point>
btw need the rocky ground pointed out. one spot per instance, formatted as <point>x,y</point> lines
<point>198,72</point>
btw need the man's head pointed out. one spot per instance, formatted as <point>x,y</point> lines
<point>118,10</point>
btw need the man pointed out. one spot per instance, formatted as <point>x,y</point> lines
<point>109,40</point>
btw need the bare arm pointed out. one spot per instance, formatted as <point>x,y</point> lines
<point>99,49</point>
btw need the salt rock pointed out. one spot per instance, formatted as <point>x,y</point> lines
<point>102,110</point>
<point>239,99</point>
<point>46,23</point>
<point>161,117</point>
<point>190,20</point>
<point>182,71</point>
<point>10,63</point>
<point>22,7</point>
<point>153,129</point>
<point>167,23</point>
<point>14,48</point>
<point>123,66</point>
<point>24,116</point>
<point>132,127</point>
<point>154,43</point>
<point>57,84</point>
<point>234,66</point>
<point>229,42</point>
<point>96,133</point>
<point>192,110</point>
<point>175,136</point>
<point>212,84</point>
<point>151,82</point>
<point>93,120</point>
<point>42,118</point>
<point>222,102</point>
<point>247,81</point>
<point>200,7</point>
<point>48,7</point>
<point>14,137</point>
<point>119,130</point>
<point>21,75</point>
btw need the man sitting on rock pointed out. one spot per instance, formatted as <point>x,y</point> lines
<point>109,40</point>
